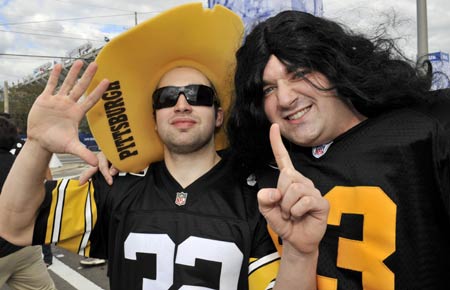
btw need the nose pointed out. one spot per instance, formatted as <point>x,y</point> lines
<point>182,105</point>
<point>285,94</point>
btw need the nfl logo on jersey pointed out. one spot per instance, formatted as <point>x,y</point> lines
<point>181,198</point>
<point>319,151</point>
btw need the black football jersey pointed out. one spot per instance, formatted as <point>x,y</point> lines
<point>387,182</point>
<point>158,235</point>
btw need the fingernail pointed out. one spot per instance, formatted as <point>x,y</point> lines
<point>272,195</point>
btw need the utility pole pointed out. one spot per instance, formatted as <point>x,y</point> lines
<point>6,100</point>
<point>135,18</point>
<point>422,31</point>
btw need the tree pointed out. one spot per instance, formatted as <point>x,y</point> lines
<point>21,98</point>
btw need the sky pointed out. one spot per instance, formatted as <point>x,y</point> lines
<point>52,28</point>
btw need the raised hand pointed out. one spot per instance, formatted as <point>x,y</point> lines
<point>295,210</point>
<point>54,117</point>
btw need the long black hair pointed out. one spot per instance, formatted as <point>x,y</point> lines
<point>372,73</point>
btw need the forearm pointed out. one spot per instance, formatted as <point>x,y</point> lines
<point>297,271</point>
<point>23,193</point>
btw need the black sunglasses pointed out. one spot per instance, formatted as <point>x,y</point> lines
<point>196,95</point>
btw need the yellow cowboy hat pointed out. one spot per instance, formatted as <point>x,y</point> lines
<point>122,121</point>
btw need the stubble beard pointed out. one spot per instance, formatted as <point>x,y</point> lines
<point>194,144</point>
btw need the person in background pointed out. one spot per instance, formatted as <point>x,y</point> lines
<point>20,267</point>
<point>359,121</point>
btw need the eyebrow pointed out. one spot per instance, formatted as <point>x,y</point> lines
<point>266,82</point>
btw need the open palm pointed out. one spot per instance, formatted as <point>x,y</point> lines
<point>54,117</point>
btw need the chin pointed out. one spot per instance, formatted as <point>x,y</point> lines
<point>301,140</point>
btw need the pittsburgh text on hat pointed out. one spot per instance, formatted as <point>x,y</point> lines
<point>118,121</point>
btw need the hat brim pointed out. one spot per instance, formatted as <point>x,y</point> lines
<point>122,121</point>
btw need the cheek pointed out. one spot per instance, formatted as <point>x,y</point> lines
<point>270,108</point>
<point>159,119</point>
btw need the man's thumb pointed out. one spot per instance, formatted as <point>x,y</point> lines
<point>80,150</point>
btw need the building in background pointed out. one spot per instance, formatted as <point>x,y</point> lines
<point>441,70</point>
<point>254,11</point>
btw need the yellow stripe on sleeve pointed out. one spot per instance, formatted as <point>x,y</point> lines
<point>73,214</point>
<point>263,271</point>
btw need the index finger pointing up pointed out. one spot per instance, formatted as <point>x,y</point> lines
<point>279,151</point>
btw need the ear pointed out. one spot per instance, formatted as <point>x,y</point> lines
<point>219,117</point>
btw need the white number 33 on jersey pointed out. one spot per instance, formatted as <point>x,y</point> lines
<point>188,251</point>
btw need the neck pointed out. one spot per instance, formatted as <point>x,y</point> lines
<point>186,168</point>
<point>353,120</point>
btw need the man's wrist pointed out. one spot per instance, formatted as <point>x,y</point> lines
<point>35,148</point>
<point>290,252</point>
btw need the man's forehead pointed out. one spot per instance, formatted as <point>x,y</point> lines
<point>181,76</point>
<point>274,69</point>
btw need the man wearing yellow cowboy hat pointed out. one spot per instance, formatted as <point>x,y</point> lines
<point>187,222</point>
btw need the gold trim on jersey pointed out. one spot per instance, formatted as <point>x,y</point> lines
<point>72,216</point>
<point>262,272</point>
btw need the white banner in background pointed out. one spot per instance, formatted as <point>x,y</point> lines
<point>254,11</point>
<point>441,70</point>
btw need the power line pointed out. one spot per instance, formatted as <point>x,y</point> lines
<point>28,30</point>
<point>41,30</point>
<point>151,12</point>
<point>50,35</point>
<point>38,56</point>
<point>62,20</point>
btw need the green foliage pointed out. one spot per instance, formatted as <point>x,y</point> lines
<point>21,98</point>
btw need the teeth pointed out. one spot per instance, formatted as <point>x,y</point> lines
<point>299,114</point>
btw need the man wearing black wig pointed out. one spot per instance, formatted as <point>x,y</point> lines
<point>359,121</point>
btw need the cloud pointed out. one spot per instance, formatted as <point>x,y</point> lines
<point>55,27</point>
<point>364,15</point>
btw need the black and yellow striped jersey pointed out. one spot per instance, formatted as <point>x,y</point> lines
<point>158,235</point>
<point>388,184</point>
